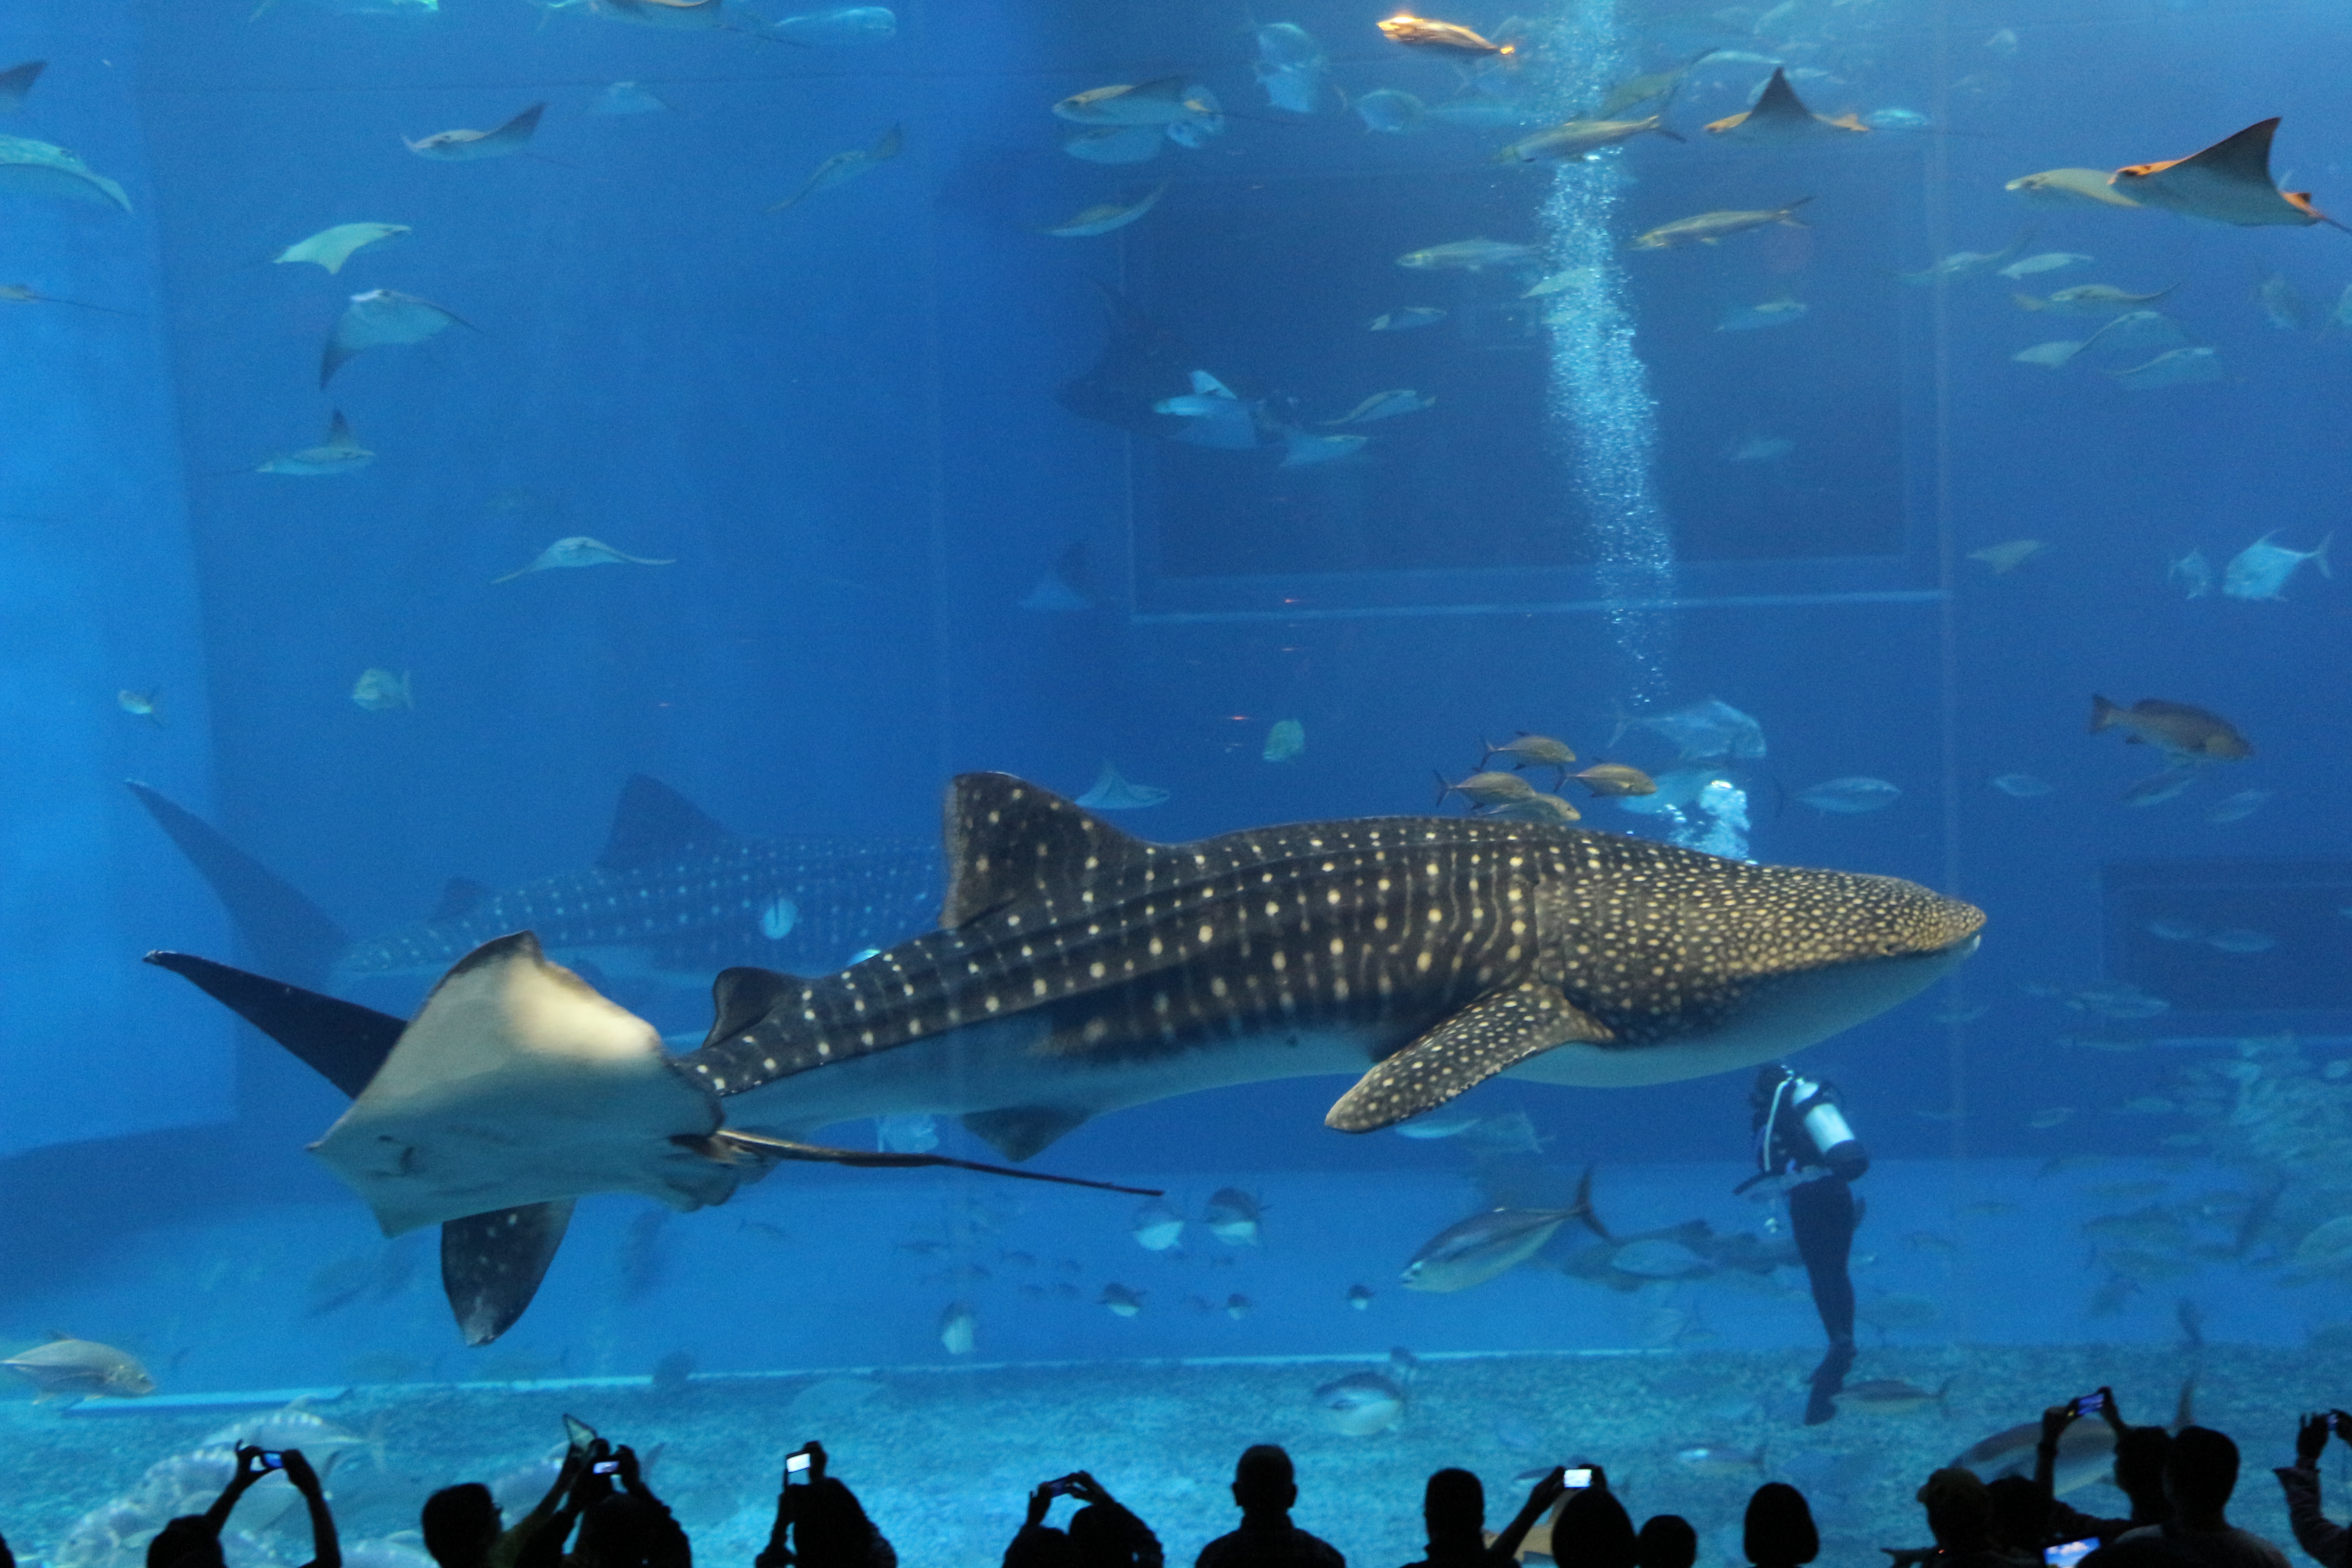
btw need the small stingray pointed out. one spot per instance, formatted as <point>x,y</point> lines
<point>1108,216</point>
<point>2175,367</point>
<point>16,85</point>
<point>626,98</point>
<point>579,551</point>
<point>380,317</point>
<point>695,13</point>
<point>41,169</point>
<point>330,248</point>
<point>25,294</point>
<point>464,146</point>
<point>1780,115</point>
<point>1112,792</point>
<point>2229,182</point>
<point>843,167</point>
<point>340,453</point>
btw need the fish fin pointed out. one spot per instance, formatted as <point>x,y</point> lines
<point>1670,135</point>
<point>492,1264</point>
<point>2244,158</point>
<point>285,932</point>
<point>742,997</point>
<point>653,822</point>
<point>2320,555</point>
<point>460,896</point>
<point>520,128</point>
<point>2105,715</point>
<point>1496,1032</point>
<point>1584,1209</point>
<point>1019,1131</point>
<point>343,1042</point>
<point>1778,102</point>
<point>1005,836</point>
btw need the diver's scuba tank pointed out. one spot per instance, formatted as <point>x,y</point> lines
<point>1799,1123</point>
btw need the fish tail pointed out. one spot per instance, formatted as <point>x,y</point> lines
<point>1443,789</point>
<point>1584,1210</point>
<point>2320,555</point>
<point>2105,715</point>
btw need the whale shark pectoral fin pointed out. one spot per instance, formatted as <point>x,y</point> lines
<point>345,1043</point>
<point>1018,1131</point>
<point>1499,1030</point>
<point>1006,838</point>
<point>518,1084</point>
<point>492,1264</point>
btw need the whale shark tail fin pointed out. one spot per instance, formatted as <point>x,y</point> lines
<point>281,929</point>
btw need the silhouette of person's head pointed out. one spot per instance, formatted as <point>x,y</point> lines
<point>1779,1531</point>
<point>186,1543</point>
<point>1264,1483</point>
<point>7,1558</point>
<point>1100,1537</point>
<point>1593,1530</point>
<point>1667,1541</point>
<point>1453,1510</point>
<point>1959,1512</point>
<point>1044,1547</point>
<point>831,1529</point>
<point>2020,1514</point>
<point>613,1533</point>
<point>2140,1455</point>
<point>460,1525</point>
<point>2200,1472</point>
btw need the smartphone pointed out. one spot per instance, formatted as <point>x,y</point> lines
<point>273,1461</point>
<point>1577,1478</point>
<point>2334,1420</point>
<point>1058,1488</point>
<point>2069,1555</point>
<point>604,1466</point>
<point>796,1469</point>
<point>578,1431</point>
<point>2089,1405</point>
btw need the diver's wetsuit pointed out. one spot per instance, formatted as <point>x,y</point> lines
<point>1790,1114</point>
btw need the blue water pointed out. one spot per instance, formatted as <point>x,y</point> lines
<point>849,429</point>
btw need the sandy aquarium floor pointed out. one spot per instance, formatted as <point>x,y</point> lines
<point>943,1457</point>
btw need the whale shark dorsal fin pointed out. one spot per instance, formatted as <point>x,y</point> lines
<point>654,823</point>
<point>1006,837</point>
<point>1497,1031</point>
<point>1018,1131</point>
<point>742,997</point>
<point>492,1264</point>
<point>460,896</point>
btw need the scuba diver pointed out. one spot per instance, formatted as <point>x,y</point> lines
<point>1806,1149</point>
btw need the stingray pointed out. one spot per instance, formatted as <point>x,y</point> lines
<point>25,294</point>
<point>16,85</point>
<point>464,146</point>
<point>579,551</point>
<point>2229,182</point>
<point>380,319</point>
<point>330,248</point>
<point>340,453</point>
<point>606,1105</point>
<point>41,169</point>
<point>1108,216</point>
<point>1780,115</point>
<point>1112,791</point>
<point>843,167</point>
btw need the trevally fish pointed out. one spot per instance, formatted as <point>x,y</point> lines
<point>1472,1251</point>
<point>674,895</point>
<point>1704,731</point>
<point>1751,318</point>
<point>1576,139</point>
<point>1076,971</point>
<point>1851,796</point>
<point>1709,228</point>
<point>842,25</point>
<point>2263,569</point>
<point>1389,109</point>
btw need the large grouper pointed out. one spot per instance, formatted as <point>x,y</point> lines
<point>1077,969</point>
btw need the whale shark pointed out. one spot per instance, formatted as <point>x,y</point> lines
<point>674,897</point>
<point>1077,969</point>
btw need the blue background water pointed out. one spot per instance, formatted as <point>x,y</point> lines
<point>841,422</point>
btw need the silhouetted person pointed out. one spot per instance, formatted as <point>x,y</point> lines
<point>1103,1533</point>
<point>1803,1142</point>
<point>2200,1474</point>
<point>2327,1544</point>
<point>630,1528</point>
<point>193,1541</point>
<point>1265,1488</point>
<point>1592,1530</point>
<point>1959,1516</point>
<point>2138,1474</point>
<point>7,1558</point>
<point>461,1523</point>
<point>827,1525</point>
<point>1667,1541</point>
<point>1779,1531</point>
<point>2019,1512</point>
<point>1453,1513</point>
